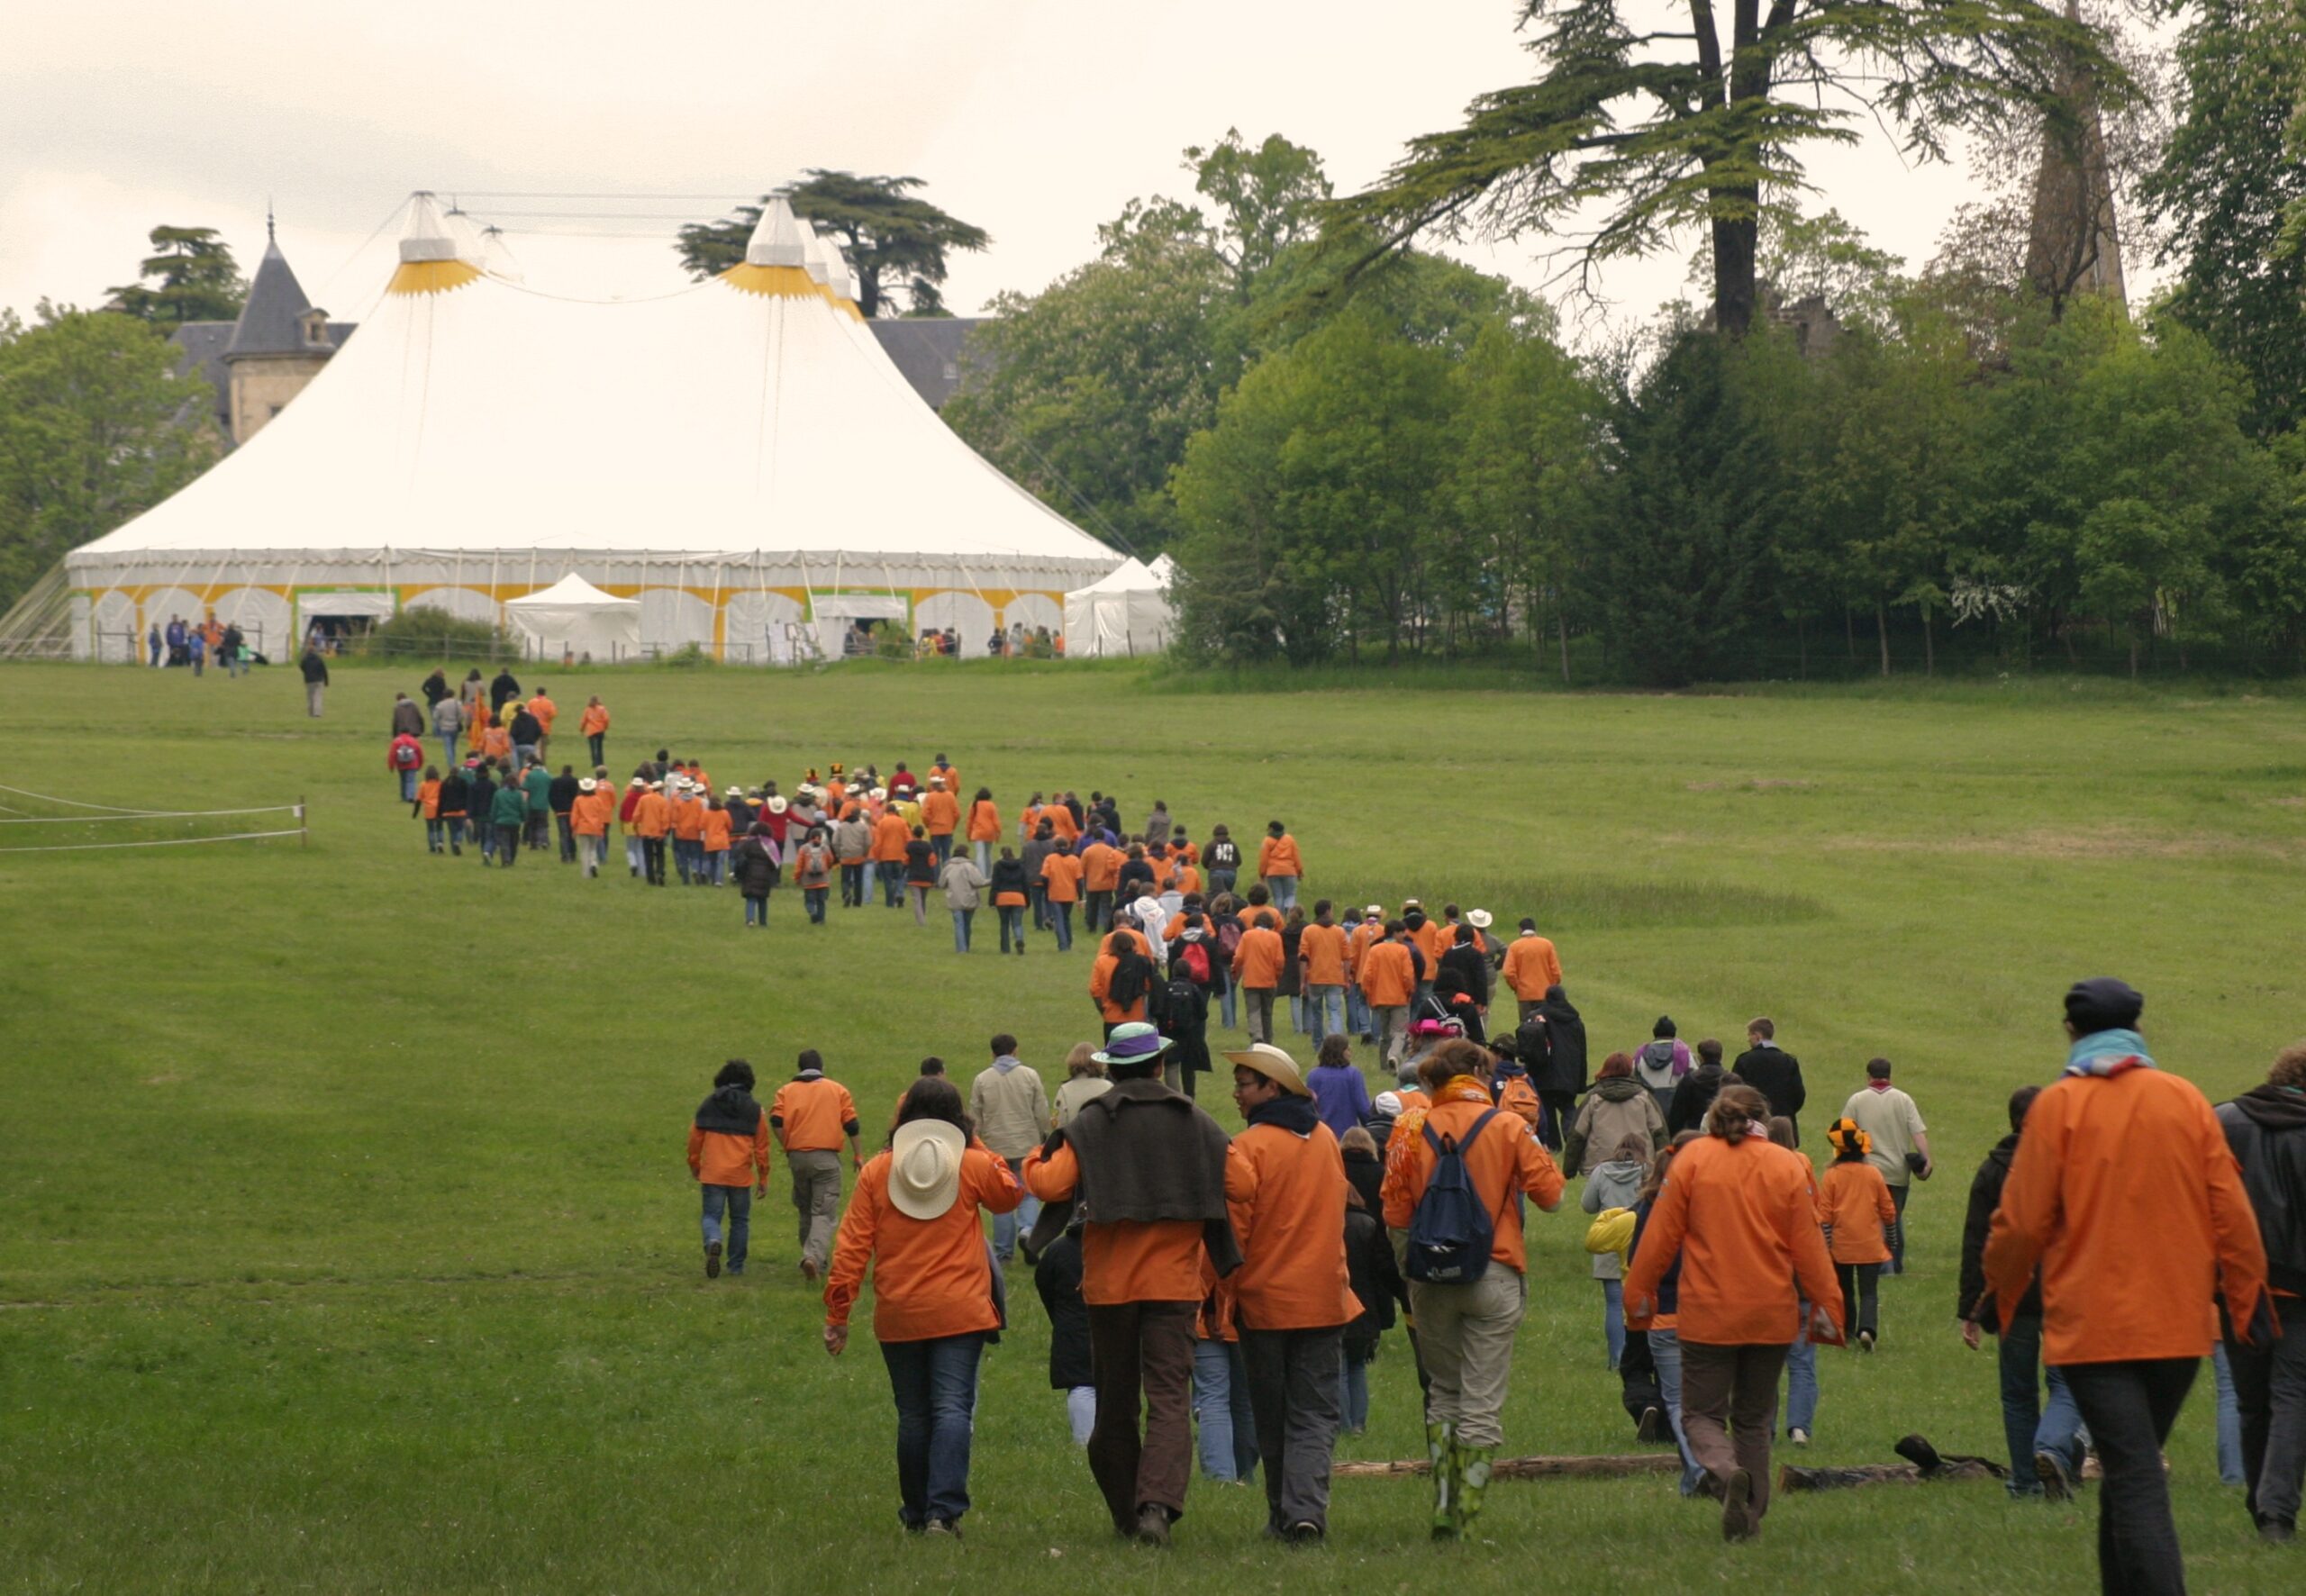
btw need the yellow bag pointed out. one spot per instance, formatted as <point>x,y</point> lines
<point>1611,1231</point>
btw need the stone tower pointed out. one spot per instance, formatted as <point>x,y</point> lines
<point>278,345</point>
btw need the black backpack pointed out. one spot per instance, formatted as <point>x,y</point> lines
<point>1177,1002</point>
<point>1450,1233</point>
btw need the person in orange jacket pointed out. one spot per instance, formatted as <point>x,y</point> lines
<point>588,817</point>
<point>2125,1192</point>
<point>1322,953</point>
<point>594,725</point>
<point>984,829</point>
<point>1256,971</point>
<point>1854,1205</point>
<point>916,1221</point>
<point>890,834</point>
<point>941,816</point>
<point>1121,979</point>
<point>1101,865</point>
<point>1740,1215</point>
<point>1389,973</point>
<point>687,804</point>
<point>713,841</point>
<point>1149,1168</point>
<point>1532,965</point>
<point>652,818</point>
<point>728,1153</point>
<point>1465,1327</point>
<point>811,1114</point>
<point>1286,1193</point>
<point>1279,866</point>
<point>542,707</point>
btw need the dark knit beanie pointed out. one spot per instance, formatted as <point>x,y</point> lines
<point>2103,1003</point>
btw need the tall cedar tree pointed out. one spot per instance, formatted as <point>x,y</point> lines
<point>1634,134</point>
<point>893,239</point>
<point>197,280</point>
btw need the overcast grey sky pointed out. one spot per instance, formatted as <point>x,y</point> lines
<point>1036,118</point>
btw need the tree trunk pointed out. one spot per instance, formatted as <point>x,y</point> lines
<point>1527,1468</point>
<point>1881,632</point>
<point>1734,248</point>
<point>1561,616</point>
<point>2133,655</point>
<point>1929,646</point>
<point>1801,639</point>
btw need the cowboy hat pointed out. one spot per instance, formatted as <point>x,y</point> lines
<point>1133,1043</point>
<point>1376,911</point>
<point>777,806</point>
<point>925,1167</point>
<point>1479,918</point>
<point>1273,1065</point>
<point>586,783</point>
<point>637,781</point>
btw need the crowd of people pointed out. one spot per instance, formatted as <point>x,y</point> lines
<point>1236,1285</point>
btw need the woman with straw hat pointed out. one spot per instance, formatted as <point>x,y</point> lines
<point>915,1218</point>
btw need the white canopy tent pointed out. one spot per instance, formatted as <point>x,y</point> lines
<point>1125,612</point>
<point>574,617</point>
<point>727,454</point>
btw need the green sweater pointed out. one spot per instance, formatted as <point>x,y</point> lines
<point>538,783</point>
<point>508,808</point>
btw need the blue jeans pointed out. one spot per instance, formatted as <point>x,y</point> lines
<point>893,885</point>
<point>934,1382</point>
<point>434,834</point>
<point>1013,925</point>
<point>940,845</point>
<point>1353,1395</point>
<point>738,1202</point>
<point>1220,880</point>
<point>448,750</point>
<point>2029,1424</point>
<point>984,852</point>
<point>2229,1421</point>
<point>1613,1319</point>
<point>1060,916</point>
<point>1080,1403</point>
<point>1357,1019</point>
<point>1225,1000</point>
<point>408,787</point>
<point>1897,1237</point>
<point>755,912</point>
<point>1665,1352</point>
<point>1284,889</point>
<point>812,898</point>
<point>1018,1221</point>
<point>1802,1381</point>
<point>1221,1415</point>
<point>1324,1011</point>
<point>963,918</point>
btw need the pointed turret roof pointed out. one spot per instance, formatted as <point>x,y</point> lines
<point>267,323</point>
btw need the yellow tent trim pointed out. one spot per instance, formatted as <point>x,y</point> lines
<point>430,276</point>
<point>770,281</point>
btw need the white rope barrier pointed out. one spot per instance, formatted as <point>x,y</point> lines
<point>143,814</point>
<point>68,847</point>
<point>72,802</point>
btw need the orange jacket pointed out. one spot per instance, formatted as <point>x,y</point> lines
<point>1505,1159</point>
<point>595,720</point>
<point>1101,982</point>
<point>930,1277</point>
<point>1277,856</point>
<point>1062,871</point>
<point>496,741</point>
<point>812,1115</point>
<point>688,819</point>
<point>428,794</point>
<point>890,834</point>
<point>2125,1192</point>
<point>652,816</point>
<point>1388,975</point>
<point>544,710</point>
<point>1100,866</point>
<point>475,733</point>
<point>1743,1219</point>
<point>1531,966</point>
<point>984,821</point>
<point>717,831</point>
<point>940,812</point>
<point>1128,1261</point>
<point>952,778</point>
<point>590,815</point>
<point>1029,824</point>
<point>1285,1195</point>
<point>1263,914</point>
<point>1256,961</point>
<point>1434,939</point>
<point>723,1158</point>
<point>1061,823</point>
<point>1187,879</point>
<point>1321,949</point>
<point>1854,1200</point>
<point>1357,946</point>
<point>835,791</point>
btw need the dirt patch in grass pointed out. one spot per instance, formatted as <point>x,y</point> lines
<point>1759,784</point>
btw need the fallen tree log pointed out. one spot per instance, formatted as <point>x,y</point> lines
<point>1790,1478</point>
<point>1529,1468</point>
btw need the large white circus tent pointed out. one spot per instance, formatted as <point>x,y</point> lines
<point>738,456</point>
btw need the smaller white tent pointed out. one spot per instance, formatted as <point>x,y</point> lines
<point>573,616</point>
<point>1126,612</point>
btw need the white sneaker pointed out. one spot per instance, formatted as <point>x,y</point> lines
<point>1800,1437</point>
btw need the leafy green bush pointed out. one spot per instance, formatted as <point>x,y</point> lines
<point>424,630</point>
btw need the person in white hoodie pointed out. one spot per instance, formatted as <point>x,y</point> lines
<point>1011,1112</point>
<point>1615,1183</point>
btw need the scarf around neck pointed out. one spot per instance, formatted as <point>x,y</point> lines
<point>2108,1053</point>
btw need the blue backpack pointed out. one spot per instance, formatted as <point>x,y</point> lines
<point>1449,1234</point>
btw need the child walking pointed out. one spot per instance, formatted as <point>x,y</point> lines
<point>728,1152</point>
<point>1615,1183</point>
<point>1855,1206</point>
<point>1058,1278</point>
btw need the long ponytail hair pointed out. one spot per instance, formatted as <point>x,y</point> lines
<point>1737,1112</point>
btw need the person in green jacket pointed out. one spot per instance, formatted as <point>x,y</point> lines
<point>537,784</point>
<point>508,812</point>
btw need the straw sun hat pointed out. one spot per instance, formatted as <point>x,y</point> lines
<point>925,1167</point>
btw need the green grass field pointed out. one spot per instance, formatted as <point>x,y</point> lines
<point>346,1243</point>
